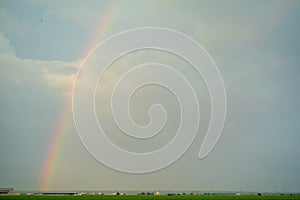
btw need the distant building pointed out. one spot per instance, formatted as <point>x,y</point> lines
<point>6,190</point>
<point>59,193</point>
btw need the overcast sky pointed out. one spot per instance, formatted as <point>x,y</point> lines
<point>254,43</point>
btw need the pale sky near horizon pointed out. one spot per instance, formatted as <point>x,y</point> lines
<point>254,43</point>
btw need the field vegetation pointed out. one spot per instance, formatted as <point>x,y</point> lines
<point>149,197</point>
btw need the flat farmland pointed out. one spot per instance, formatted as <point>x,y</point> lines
<point>149,197</point>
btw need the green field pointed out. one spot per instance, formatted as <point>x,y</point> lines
<point>149,197</point>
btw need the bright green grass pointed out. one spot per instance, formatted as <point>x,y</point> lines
<point>136,197</point>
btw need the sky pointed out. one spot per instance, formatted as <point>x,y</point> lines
<point>255,45</point>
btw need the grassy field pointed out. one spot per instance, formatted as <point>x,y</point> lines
<point>143,197</point>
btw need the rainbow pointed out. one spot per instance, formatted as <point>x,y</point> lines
<point>65,120</point>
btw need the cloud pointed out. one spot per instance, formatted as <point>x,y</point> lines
<point>32,93</point>
<point>60,81</point>
<point>53,76</point>
<point>5,46</point>
<point>223,30</point>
